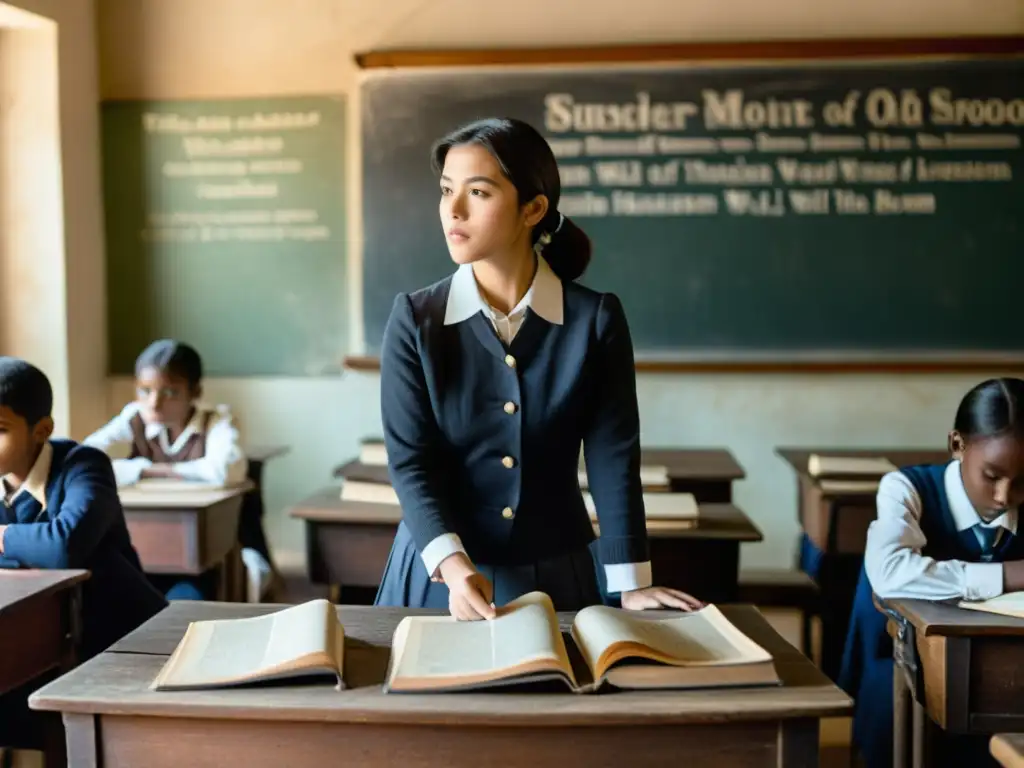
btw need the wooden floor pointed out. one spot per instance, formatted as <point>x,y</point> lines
<point>835,732</point>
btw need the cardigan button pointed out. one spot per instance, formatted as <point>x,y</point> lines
<point>507,513</point>
<point>508,462</point>
<point>510,361</point>
<point>510,407</point>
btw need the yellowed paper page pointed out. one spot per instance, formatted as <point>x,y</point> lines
<point>658,506</point>
<point>651,476</point>
<point>1008,604</point>
<point>373,454</point>
<point>702,638</point>
<point>234,650</point>
<point>852,487</point>
<point>848,465</point>
<point>372,493</point>
<point>440,647</point>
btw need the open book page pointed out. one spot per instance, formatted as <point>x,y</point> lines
<point>870,466</point>
<point>607,635</point>
<point>305,638</point>
<point>658,506</point>
<point>436,652</point>
<point>1007,604</point>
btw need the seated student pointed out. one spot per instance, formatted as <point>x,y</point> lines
<point>61,510</point>
<point>943,532</point>
<point>168,434</point>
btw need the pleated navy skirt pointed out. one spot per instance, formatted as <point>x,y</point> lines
<point>570,580</point>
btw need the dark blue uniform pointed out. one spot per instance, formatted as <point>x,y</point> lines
<point>483,441</point>
<point>867,671</point>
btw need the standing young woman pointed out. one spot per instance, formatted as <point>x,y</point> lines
<point>490,381</point>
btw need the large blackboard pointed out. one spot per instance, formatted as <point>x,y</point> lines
<point>839,208</point>
<point>225,228</point>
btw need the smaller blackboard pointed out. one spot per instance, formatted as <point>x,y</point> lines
<point>225,228</point>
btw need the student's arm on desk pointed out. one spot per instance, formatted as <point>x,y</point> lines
<point>894,563</point>
<point>115,439</point>
<point>68,538</point>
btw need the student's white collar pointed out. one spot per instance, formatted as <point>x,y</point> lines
<point>544,296</point>
<point>35,483</point>
<point>159,431</point>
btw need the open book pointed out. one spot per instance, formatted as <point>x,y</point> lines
<point>524,646</point>
<point>1006,604</point>
<point>299,641</point>
<point>864,466</point>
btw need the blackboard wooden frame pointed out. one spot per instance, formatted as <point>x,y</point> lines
<point>780,50</point>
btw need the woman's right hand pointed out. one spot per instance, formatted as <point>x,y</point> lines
<point>470,593</point>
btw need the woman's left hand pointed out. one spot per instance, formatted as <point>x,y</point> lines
<point>659,597</point>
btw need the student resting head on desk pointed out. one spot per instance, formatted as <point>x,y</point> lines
<point>61,510</point>
<point>166,432</point>
<point>943,532</point>
<point>490,381</point>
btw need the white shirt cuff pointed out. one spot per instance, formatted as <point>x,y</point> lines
<point>444,546</point>
<point>983,581</point>
<point>129,471</point>
<point>625,577</point>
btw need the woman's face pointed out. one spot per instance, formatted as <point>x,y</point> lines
<point>480,212</point>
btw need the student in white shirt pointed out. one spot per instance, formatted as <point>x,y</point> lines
<point>165,432</point>
<point>943,532</point>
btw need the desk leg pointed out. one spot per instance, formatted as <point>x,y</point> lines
<point>81,741</point>
<point>921,746</point>
<point>798,743</point>
<point>231,582</point>
<point>902,700</point>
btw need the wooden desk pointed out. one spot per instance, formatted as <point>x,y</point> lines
<point>818,509</point>
<point>1008,749</point>
<point>40,631</point>
<point>264,453</point>
<point>39,623</point>
<point>112,719</point>
<point>347,544</point>
<point>188,532</point>
<point>706,473</point>
<point>836,523</point>
<point>957,670</point>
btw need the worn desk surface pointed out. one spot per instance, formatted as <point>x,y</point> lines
<point>707,473</point>
<point>36,623</point>
<point>798,458</point>
<point>956,669</point>
<point>263,453</point>
<point>114,719</point>
<point>188,529</point>
<point>347,544</point>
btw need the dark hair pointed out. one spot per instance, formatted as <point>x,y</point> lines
<point>991,409</point>
<point>25,390</point>
<point>172,357</point>
<point>527,161</point>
